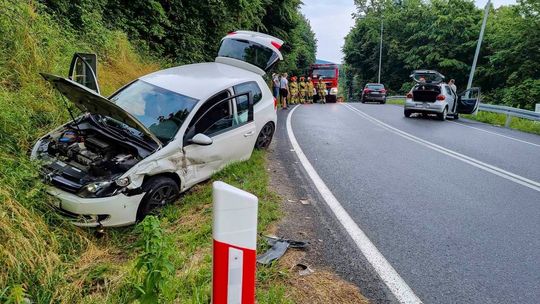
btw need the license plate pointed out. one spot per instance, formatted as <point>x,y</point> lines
<point>426,105</point>
<point>375,93</point>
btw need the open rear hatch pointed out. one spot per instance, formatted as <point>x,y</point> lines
<point>427,85</point>
<point>252,51</point>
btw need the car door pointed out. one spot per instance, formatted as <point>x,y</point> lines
<point>229,123</point>
<point>468,101</point>
<point>83,70</point>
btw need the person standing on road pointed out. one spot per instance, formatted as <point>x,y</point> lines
<point>283,90</point>
<point>275,85</point>
<point>303,89</point>
<point>321,88</point>
<point>310,90</point>
<point>452,84</point>
<point>293,89</point>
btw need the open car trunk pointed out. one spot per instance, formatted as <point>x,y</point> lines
<point>426,92</point>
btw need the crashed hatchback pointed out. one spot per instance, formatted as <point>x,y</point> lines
<point>158,135</point>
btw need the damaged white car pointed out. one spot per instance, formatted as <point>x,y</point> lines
<point>158,135</point>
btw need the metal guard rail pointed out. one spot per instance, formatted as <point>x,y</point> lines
<point>508,111</point>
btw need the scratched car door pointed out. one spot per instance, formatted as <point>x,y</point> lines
<point>232,131</point>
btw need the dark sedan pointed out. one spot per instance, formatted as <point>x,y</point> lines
<point>374,92</point>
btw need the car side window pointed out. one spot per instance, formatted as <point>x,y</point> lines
<point>247,87</point>
<point>213,117</point>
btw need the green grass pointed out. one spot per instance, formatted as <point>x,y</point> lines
<point>395,101</point>
<point>516,123</point>
<point>43,257</point>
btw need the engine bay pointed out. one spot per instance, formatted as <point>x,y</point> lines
<point>77,155</point>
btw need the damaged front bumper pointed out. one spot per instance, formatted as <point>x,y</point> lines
<point>112,211</point>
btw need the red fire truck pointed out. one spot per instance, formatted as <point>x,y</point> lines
<point>330,75</point>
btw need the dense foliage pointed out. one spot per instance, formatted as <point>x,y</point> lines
<point>189,31</point>
<point>442,35</point>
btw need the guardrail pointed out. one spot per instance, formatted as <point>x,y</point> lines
<point>508,111</point>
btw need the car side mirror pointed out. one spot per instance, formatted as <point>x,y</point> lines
<point>201,140</point>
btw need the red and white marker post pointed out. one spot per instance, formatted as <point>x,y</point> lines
<point>235,245</point>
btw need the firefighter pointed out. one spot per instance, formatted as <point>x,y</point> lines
<point>310,90</point>
<point>294,90</point>
<point>321,90</point>
<point>303,90</point>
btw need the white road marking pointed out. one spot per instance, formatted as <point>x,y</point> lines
<point>386,272</point>
<point>497,134</point>
<point>466,159</point>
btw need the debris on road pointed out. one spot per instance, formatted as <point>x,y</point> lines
<point>278,249</point>
<point>304,269</point>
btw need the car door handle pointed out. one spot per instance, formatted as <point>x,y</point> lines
<point>249,133</point>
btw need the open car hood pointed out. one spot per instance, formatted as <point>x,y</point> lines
<point>89,101</point>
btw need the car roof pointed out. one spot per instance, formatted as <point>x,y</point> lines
<point>201,80</point>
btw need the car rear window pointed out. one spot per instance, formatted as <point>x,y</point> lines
<point>375,86</point>
<point>249,52</point>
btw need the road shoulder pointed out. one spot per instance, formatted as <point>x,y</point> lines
<point>342,274</point>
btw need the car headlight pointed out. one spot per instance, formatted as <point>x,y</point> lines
<point>333,91</point>
<point>123,182</point>
<point>99,189</point>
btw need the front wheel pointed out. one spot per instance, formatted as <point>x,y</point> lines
<point>265,137</point>
<point>456,116</point>
<point>160,191</point>
<point>407,113</point>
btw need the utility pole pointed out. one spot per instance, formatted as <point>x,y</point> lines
<point>479,44</point>
<point>380,53</point>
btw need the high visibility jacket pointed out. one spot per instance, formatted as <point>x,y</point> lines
<point>293,86</point>
<point>303,87</point>
<point>310,87</point>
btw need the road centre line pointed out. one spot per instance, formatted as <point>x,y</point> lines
<point>469,160</point>
<point>387,273</point>
<point>497,134</point>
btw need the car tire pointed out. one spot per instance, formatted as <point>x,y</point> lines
<point>407,113</point>
<point>383,101</point>
<point>362,100</point>
<point>456,116</point>
<point>160,191</point>
<point>265,137</point>
<point>442,116</point>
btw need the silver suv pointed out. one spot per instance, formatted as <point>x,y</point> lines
<point>431,95</point>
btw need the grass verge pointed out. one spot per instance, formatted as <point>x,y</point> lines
<point>516,123</point>
<point>395,101</point>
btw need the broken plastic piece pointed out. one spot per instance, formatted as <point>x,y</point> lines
<point>278,249</point>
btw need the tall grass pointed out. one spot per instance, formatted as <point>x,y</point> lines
<point>37,248</point>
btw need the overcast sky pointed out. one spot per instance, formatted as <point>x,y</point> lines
<point>331,20</point>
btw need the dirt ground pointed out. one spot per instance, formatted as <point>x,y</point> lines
<point>298,223</point>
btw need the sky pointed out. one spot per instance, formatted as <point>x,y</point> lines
<point>331,20</point>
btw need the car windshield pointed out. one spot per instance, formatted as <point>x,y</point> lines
<point>324,73</point>
<point>375,86</point>
<point>162,111</point>
<point>249,52</point>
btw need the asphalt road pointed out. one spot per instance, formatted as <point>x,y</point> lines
<point>455,232</point>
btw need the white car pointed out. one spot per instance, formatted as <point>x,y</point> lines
<point>158,135</point>
<point>431,95</point>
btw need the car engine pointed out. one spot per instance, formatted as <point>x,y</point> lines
<point>74,157</point>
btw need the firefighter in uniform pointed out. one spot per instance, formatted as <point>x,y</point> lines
<point>321,90</point>
<point>310,90</point>
<point>303,89</point>
<point>294,90</point>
